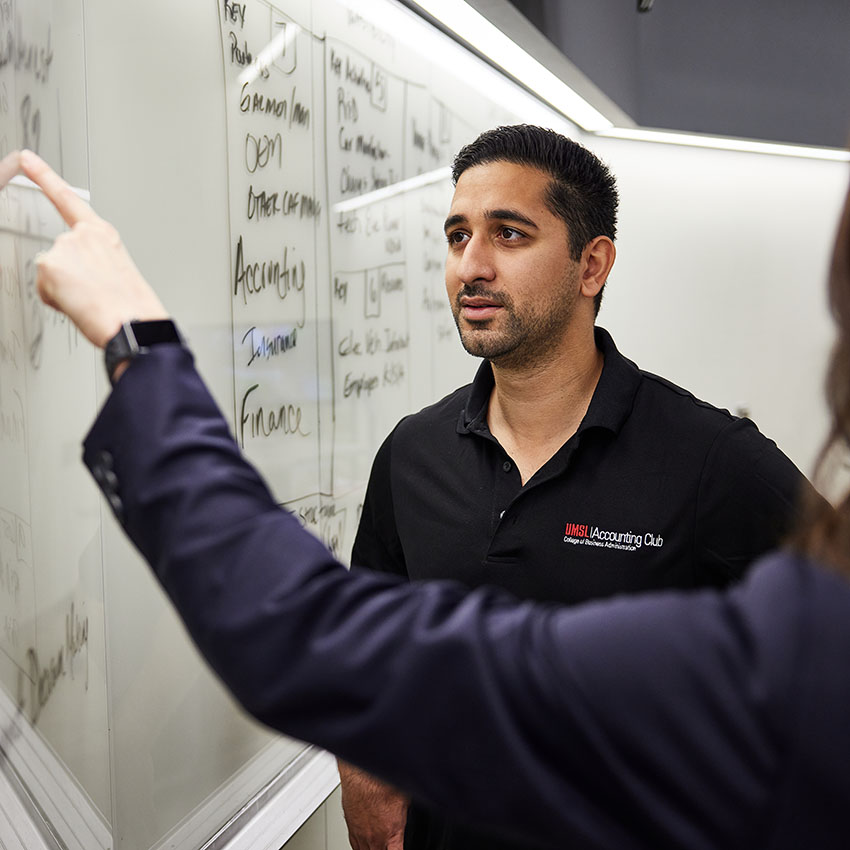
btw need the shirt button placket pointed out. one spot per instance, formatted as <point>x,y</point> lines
<point>504,492</point>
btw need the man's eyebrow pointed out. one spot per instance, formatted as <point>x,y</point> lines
<point>492,215</point>
<point>452,220</point>
<point>510,215</point>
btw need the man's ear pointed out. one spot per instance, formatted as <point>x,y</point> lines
<point>596,262</point>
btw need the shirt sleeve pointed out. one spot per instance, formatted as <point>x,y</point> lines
<point>656,722</point>
<point>748,500</point>
<point>377,545</point>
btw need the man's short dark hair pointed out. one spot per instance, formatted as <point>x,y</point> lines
<point>582,192</point>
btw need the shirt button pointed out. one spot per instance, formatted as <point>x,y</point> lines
<point>507,466</point>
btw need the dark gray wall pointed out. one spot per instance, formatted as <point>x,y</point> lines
<point>765,69</point>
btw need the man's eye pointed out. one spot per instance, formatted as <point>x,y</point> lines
<point>510,234</point>
<point>457,237</point>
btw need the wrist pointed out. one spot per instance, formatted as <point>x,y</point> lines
<point>118,371</point>
<point>136,338</point>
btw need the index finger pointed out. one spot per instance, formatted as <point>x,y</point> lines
<point>71,207</point>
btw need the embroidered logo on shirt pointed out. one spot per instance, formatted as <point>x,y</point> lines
<point>582,534</point>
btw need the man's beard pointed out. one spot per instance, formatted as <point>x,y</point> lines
<point>511,339</point>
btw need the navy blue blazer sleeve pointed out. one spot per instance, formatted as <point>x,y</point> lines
<point>650,723</point>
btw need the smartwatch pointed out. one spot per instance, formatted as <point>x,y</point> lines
<point>136,338</point>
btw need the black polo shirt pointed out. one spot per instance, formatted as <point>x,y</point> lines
<point>656,489</point>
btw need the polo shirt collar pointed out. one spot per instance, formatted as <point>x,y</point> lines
<point>609,408</point>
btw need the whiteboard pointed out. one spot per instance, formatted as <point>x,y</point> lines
<point>53,682</point>
<point>261,161</point>
<point>317,329</point>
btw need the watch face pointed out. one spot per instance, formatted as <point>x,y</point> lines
<point>152,333</point>
<point>136,337</point>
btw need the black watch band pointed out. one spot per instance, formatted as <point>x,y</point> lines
<point>135,338</point>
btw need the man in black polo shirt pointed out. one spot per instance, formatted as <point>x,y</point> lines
<point>563,472</point>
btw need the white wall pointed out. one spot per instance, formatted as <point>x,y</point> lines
<point>719,283</point>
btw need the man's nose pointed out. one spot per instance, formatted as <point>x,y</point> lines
<point>476,261</point>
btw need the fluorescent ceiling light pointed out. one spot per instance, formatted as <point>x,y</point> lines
<point>724,143</point>
<point>385,192</point>
<point>408,27</point>
<point>473,28</point>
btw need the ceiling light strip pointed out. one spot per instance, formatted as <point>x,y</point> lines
<point>728,143</point>
<point>473,28</point>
